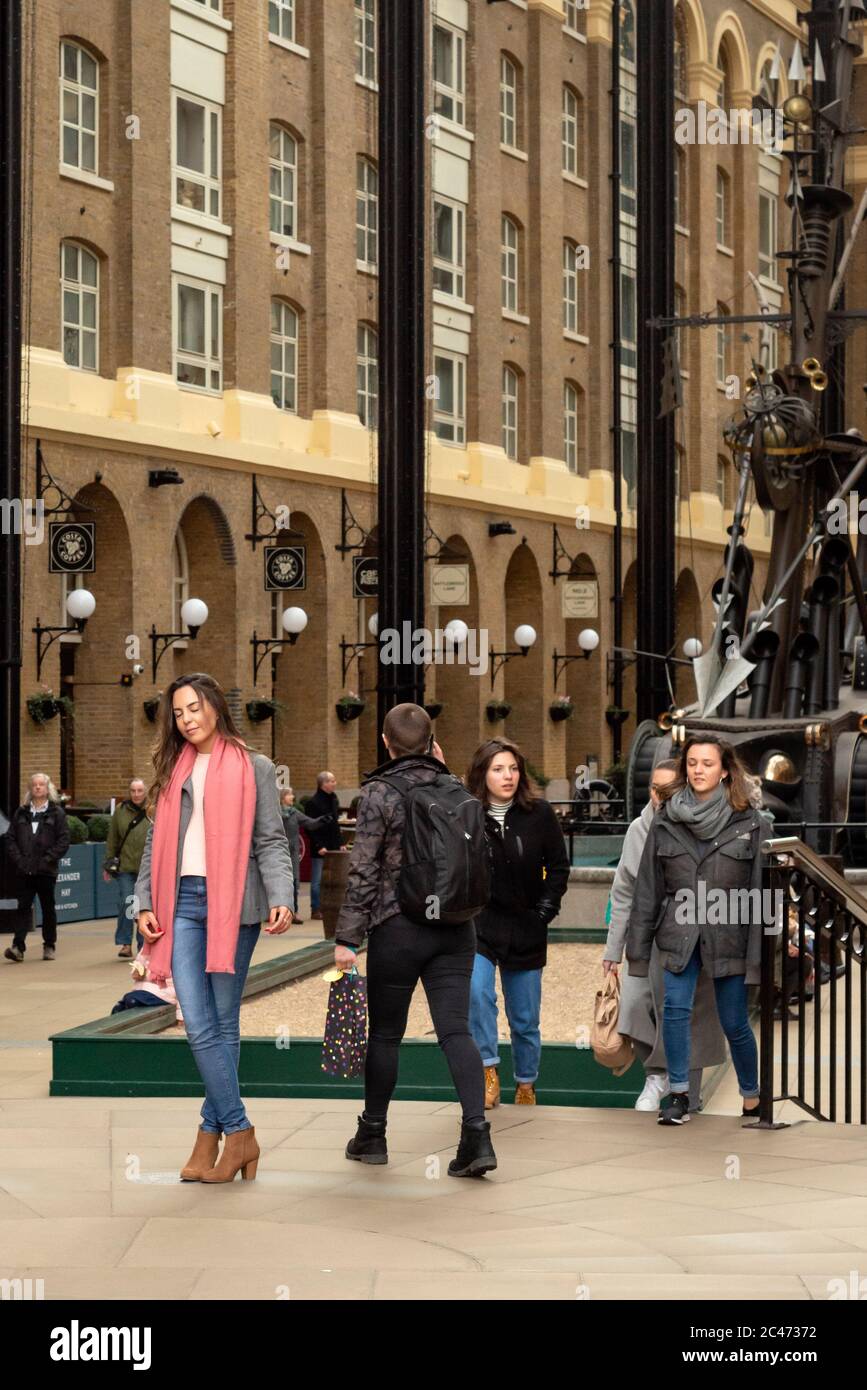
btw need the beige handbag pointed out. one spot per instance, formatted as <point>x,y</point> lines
<point>610,1048</point>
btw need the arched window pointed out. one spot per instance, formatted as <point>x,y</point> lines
<point>722,346</point>
<point>724,91</point>
<point>573,450</point>
<point>509,264</point>
<point>283,187</point>
<point>79,285</point>
<point>679,313</point>
<point>366,212</point>
<point>627,32</point>
<point>571,317</point>
<point>79,108</point>
<point>681,57</point>
<point>572,134</point>
<point>723,213</point>
<point>508,102</point>
<point>367,384</point>
<point>722,468</point>
<point>365,39</point>
<point>680,208</point>
<point>510,412</point>
<point>284,356</point>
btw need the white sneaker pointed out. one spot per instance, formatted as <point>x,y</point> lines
<point>655,1087</point>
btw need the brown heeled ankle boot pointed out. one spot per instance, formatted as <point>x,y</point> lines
<point>240,1154</point>
<point>203,1157</point>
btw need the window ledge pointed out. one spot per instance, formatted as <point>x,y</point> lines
<point>681,231</point>
<point>576,179</point>
<point>684,372</point>
<point>573,34</point>
<point>68,171</point>
<point>450,301</point>
<point>367,267</point>
<point>575,337</point>
<point>515,152</point>
<point>289,45</point>
<point>198,390</point>
<point>369,82</point>
<point>199,219</point>
<point>203,12</point>
<point>771,284</point>
<point>453,128</point>
<point>515,318</point>
<point>725,250</point>
<point>302,247</point>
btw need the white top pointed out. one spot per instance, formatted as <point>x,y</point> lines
<point>498,810</point>
<point>193,860</point>
<point>37,811</point>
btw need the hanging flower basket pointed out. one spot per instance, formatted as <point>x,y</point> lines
<point>560,709</point>
<point>614,716</point>
<point>497,710</point>
<point>150,707</point>
<point>433,709</point>
<point>258,711</point>
<point>349,707</point>
<point>41,708</point>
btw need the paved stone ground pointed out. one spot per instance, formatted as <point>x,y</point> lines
<point>585,1203</point>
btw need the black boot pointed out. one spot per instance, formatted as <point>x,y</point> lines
<point>369,1144</point>
<point>475,1155</point>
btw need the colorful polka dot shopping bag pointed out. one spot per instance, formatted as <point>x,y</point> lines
<point>344,1043</point>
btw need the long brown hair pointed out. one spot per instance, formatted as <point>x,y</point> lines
<point>737,783</point>
<point>478,771</point>
<point>170,741</point>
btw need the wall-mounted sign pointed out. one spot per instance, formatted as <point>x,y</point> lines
<point>365,576</point>
<point>71,547</point>
<point>285,566</point>
<point>580,598</point>
<point>450,585</point>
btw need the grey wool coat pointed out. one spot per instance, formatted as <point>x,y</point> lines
<point>269,871</point>
<point>642,996</point>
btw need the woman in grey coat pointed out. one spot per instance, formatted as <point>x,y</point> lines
<point>216,864</point>
<point>641,998</point>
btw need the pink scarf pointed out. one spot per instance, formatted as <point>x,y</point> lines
<point>229,809</point>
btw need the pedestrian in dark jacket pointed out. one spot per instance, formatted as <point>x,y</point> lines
<point>698,895</point>
<point>37,839</point>
<point>402,951</point>
<point>324,805</point>
<point>127,833</point>
<point>293,820</point>
<point>529,875</point>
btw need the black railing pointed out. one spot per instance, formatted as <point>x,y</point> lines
<point>820,920</point>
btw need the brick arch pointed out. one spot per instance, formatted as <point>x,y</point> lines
<point>301,728</point>
<point>687,618</point>
<point>696,30</point>
<point>524,676</point>
<point>212,577</point>
<point>729,38</point>
<point>584,682</point>
<point>455,686</point>
<point>101,739</point>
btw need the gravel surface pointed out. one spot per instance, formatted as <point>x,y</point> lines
<point>569,985</point>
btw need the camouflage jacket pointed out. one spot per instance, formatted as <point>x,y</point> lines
<point>371,889</point>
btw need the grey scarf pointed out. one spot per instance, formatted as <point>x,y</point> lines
<point>704,818</point>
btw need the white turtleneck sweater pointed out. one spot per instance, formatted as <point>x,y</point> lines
<point>498,810</point>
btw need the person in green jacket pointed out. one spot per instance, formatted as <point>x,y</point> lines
<point>124,848</point>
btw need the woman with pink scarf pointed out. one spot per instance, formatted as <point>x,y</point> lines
<point>216,864</point>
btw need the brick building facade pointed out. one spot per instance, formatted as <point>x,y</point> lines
<point>204,174</point>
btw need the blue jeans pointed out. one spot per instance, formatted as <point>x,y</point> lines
<point>731,1005</point>
<point>125,891</point>
<point>317,863</point>
<point>211,1005</point>
<point>522,994</point>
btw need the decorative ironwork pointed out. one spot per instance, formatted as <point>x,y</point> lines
<point>167,639</point>
<point>259,511</point>
<point>349,526</point>
<point>271,646</point>
<point>351,651</point>
<point>45,483</point>
<point>42,646</point>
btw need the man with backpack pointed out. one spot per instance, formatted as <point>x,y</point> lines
<point>418,875</point>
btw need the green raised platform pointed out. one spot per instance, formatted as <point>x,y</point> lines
<point>125,1055</point>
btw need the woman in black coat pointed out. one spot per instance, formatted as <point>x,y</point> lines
<point>530,873</point>
<point>37,840</point>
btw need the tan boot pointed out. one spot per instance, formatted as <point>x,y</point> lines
<point>203,1157</point>
<point>240,1154</point>
<point>525,1093</point>
<point>492,1087</point>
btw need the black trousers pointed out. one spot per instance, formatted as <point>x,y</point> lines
<point>39,886</point>
<point>399,954</point>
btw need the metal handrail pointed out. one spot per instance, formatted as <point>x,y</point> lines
<point>823,873</point>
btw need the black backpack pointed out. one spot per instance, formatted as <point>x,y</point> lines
<point>445,874</point>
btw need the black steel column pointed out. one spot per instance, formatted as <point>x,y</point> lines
<point>654,42</point>
<point>10,406</point>
<point>402,318</point>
